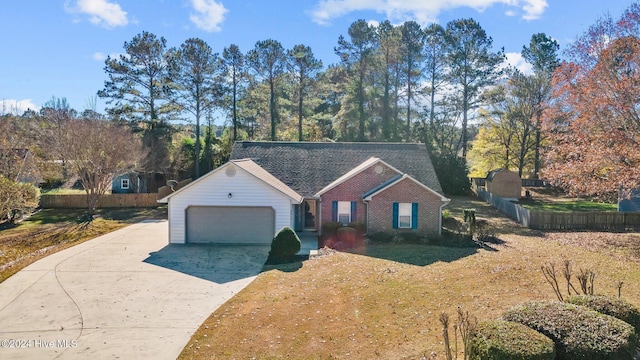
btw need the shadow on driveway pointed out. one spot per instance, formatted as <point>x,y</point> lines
<point>217,263</point>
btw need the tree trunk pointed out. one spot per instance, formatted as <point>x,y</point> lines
<point>300,103</point>
<point>234,109</point>
<point>272,109</point>
<point>536,163</point>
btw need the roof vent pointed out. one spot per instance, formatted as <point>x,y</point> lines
<point>230,171</point>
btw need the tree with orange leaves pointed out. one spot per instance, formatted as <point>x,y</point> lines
<point>593,122</point>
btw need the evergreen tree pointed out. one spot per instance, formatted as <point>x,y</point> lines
<point>137,87</point>
<point>268,60</point>
<point>473,66</point>
<point>304,68</point>
<point>234,74</point>
<point>193,68</point>
<point>356,55</point>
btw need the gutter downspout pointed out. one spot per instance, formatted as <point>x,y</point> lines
<point>440,216</point>
<point>319,212</point>
<point>366,219</point>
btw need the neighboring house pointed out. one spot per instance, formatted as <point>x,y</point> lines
<point>629,202</point>
<point>504,183</point>
<point>129,183</point>
<point>135,182</point>
<point>268,185</point>
<point>20,165</point>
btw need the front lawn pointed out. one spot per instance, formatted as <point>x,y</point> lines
<point>383,301</point>
<point>51,230</point>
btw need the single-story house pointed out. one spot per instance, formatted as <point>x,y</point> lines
<point>504,183</point>
<point>134,182</point>
<point>267,185</point>
<point>128,183</point>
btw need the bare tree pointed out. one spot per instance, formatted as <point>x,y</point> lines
<point>96,152</point>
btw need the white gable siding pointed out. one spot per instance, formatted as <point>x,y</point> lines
<point>214,190</point>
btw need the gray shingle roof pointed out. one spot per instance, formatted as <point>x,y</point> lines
<point>307,167</point>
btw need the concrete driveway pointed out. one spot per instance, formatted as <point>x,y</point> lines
<point>125,295</point>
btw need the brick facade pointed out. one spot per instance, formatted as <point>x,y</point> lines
<point>405,191</point>
<point>379,208</point>
<point>353,189</point>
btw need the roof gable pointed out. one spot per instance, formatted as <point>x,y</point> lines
<point>355,171</point>
<point>250,168</point>
<point>394,181</point>
<point>309,167</point>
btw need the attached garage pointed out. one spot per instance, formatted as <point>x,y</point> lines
<point>238,203</point>
<point>227,224</point>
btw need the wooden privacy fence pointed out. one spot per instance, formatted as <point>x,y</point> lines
<point>609,221</point>
<point>481,182</point>
<point>512,210</point>
<point>547,220</point>
<point>107,201</point>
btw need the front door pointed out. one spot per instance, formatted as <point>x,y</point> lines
<point>310,211</point>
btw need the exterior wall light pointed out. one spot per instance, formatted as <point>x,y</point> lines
<point>230,195</point>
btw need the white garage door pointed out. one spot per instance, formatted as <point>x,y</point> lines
<point>234,225</point>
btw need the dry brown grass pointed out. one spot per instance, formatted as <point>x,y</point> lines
<point>50,231</point>
<point>386,305</point>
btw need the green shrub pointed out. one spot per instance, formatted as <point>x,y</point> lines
<point>285,245</point>
<point>505,340</point>
<point>453,239</point>
<point>381,237</point>
<point>361,228</point>
<point>577,331</point>
<point>617,308</point>
<point>329,229</point>
<point>412,237</point>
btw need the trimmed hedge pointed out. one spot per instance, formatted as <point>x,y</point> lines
<point>617,308</point>
<point>506,340</point>
<point>361,228</point>
<point>577,331</point>
<point>285,245</point>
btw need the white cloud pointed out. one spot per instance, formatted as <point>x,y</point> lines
<point>208,15</point>
<point>101,12</point>
<point>98,56</point>
<point>16,107</point>
<point>423,11</point>
<point>517,61</point>
<point>534,9</point>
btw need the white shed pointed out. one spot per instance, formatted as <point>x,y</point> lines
<point>239,203</point>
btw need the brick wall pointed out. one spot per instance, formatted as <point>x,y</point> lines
<point>406,191</point>
<point>353,189</point>
<point>380,207</point>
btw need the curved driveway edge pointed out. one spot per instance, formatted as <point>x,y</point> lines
<point>127,295</point>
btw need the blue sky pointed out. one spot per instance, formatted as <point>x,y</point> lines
<point>57,47</point>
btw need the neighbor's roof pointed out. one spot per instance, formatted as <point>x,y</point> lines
<point>493,173</point>
<point>308,167</point>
